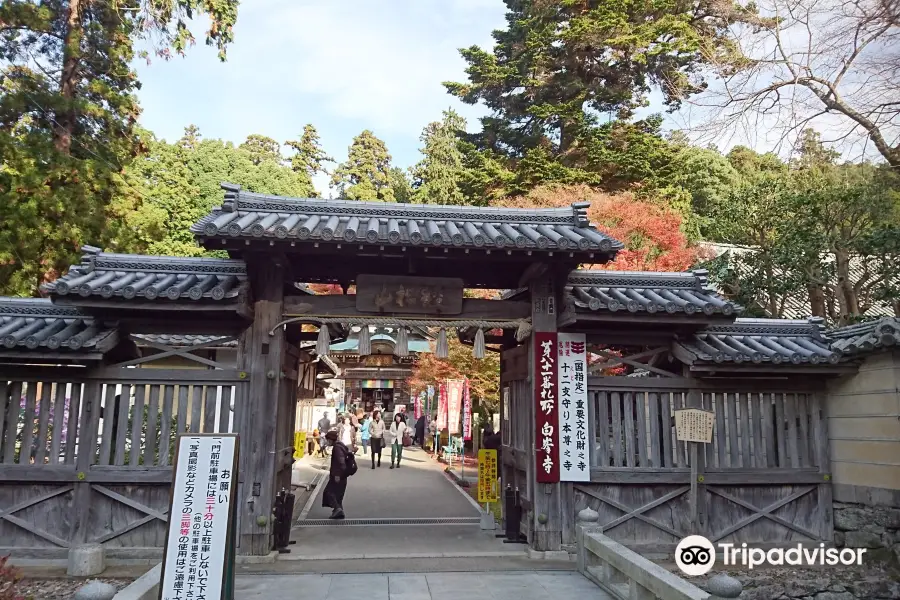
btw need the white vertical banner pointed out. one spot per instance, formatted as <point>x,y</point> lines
<point>574,446</point>
<point>196,562</point>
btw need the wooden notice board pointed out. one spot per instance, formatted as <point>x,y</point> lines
<point>409,295</point>
<point>198,559</point>
<point>694,425</point>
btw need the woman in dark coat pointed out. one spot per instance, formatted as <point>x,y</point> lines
<point>420,431</point>
<point>333,496</point>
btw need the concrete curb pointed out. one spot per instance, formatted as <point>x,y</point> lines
<point>451,477</point>
<point>146,587</point>
<point>317,489</point>
<point>407,555</point>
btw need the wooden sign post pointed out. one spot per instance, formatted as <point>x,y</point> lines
<point>695,426</point>
<point>199,555</point>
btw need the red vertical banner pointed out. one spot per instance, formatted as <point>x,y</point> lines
<point>454,404</point>
<point>442,407</point>
<point>467,412</point>
<point>546,409</point>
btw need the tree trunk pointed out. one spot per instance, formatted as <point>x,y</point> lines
<point>846,293</point>
<point>817,300</point>
<point>68,81</point>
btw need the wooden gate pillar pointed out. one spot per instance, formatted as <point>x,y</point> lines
<point>261,356</point>
<point>545,303</point>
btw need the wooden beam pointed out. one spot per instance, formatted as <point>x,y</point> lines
<point>345,306</point>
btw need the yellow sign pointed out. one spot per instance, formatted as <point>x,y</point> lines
<point>694,425</point>
<point>487,476</point>
<point>299,444</point>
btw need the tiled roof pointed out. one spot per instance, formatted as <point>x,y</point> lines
<point>647,292</point>
<point>866,337</point>
<point>245,215</point>
<point>106,275</point>
<point>185,341</point>
<point>762,341</point>
<point>36,324</point>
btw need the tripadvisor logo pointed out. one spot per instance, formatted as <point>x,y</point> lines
<point>696,555</point>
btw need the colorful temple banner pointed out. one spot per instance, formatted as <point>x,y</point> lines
<point>454,404</point>
<point>467,412</point>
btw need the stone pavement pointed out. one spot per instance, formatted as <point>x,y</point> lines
<point>419,489</point>
<point>419,586</point>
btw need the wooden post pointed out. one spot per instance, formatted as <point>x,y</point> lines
<point>546,497</point>
<point>260,356</point>
<point>698,468</point>
<point>87,447</point>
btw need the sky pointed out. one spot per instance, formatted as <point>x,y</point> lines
<point>342,65</point>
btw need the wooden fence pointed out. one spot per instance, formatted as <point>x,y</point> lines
<point>85,454</point>
<point>763,479</point>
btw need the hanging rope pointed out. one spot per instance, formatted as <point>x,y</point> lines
<point>323,343</point>
<point>478,344</point>
<point>401,348</point>
<point>522,326</point>
<point>365,345</point>
<point>442,349</point>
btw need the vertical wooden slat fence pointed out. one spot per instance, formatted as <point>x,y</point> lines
<point>85,454</point>
<point>763,478</point>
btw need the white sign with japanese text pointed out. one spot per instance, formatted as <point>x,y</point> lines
<point>196,554</point>
<point>574,446</point>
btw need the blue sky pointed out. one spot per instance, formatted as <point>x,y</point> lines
<point>343,65</point>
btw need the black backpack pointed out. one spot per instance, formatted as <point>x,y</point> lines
<point>350,465</point>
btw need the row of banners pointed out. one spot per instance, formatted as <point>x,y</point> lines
<point>562,450</point>
<point>453,395</point>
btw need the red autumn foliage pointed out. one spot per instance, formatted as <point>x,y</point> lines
<point>651,232</point>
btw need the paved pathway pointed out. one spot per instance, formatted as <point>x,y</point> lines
<point>419,489</point>
<point>419,586</point>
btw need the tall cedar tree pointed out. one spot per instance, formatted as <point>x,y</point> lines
<point>439,176</point>
<point>309,156</point>
<point>68,118</point>
<point>559,64</point>
<point>366,175</point>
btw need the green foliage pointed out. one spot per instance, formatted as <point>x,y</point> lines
<point>557,64</point>
<point>822,233</point>
<point>309,155</point>
<point>366,174</point>
<point>180,184</point>
<point>401,184</point>
<point>438,177</point>
<point>68,118</point>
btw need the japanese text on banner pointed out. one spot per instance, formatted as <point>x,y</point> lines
<point>546,408</point>
<point>574,449</point>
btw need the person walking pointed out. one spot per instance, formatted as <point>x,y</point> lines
<point>436,435</point>
<point>324,428</point>
<point>398,430</point>
<point>376,437</point>
<point>364,434</point>
<point>345,432</point>
<point>420,431</point>
<point>343,465</point>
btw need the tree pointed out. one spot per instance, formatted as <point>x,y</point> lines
<point>366,173</point>
<point>438,177</point>
<point>651,232</point>
<point>402,186</point>
<point>310,157</point>
<point>483,374</point>
<point>801,63</point>
<point>68,119</point>
<point>180,184</point>
<point>262,148</point>
<point>559,64</point>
